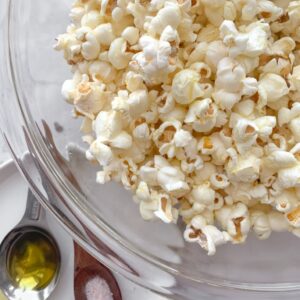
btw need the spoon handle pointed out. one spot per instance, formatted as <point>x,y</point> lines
<point>33,210</point>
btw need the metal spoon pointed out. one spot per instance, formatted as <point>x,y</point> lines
<point>32,223</point>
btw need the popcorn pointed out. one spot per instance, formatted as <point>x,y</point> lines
<point>138,12</point>
<point>243,168</point>
<point>239,192</point>
<point>143,192</point>
<point>208,237</point>
<point>102,71</point>
<point>204,195</point>
<point>280,141</point>
<point>107,124</point>
<point>192,234</point>
<point>260,223</point>
<point>229,11</point>
<point>186,86</point>
<point>122,141</point>
<point>290,25</point>
<point>89,98</point>
<point>280,160</point>
<point>142,132</point>
<point>289,177</point>
<point>131,35</point>
<point>229,75</point>
<point>219,181</point>
<point>259,192</point>
<point>208,33</point>
<point>68,90</point>
<point>198,222</point>
<point>186,29</point>
<point>90,49</point>
<point>215,52</point>
<point>205,173</point>
<point>129,174</point>
<point>182,138</point>
<point>206,146</point>
<point>249,64</point>
<point>213,146</point>
<point>165,103</point>
<point>147,209</point>
<point>244,135</point>
<point>293,217</point>
<point>108,127</point>
<point>169,15</point>
<point>278,66</point>
<point>91,19</point>
<point>134,81</point>
<point>296,151</point>
<point>149,175</point>
<point>71,46</point>
<point>202,115</point>
<point>189,165</point>
<point>283,47</point>
<point>120,20</point>
<point>154,61</point>
<point>285,200</point>
<point>165,211</point>
<point>250,86</point>
<point>265,126</point>
<point>249,10</point>
<point>178,113</point>
<point>193,106</point>
<point>172,180</point>
<point>294,79</point>
<point>117,54</point>
<point>104,34</point>
<point>269,11</point>
<point>101,152</point>
<point>294,126</point>
<point>236,220</point>
<point>195,52</point>
<point>252,42</point>
<point>231,83</point>
<point>277,221</point>
<point>164,138</point>
<point>76,15</point>
<point>137,103</point>
<point>272,87</point>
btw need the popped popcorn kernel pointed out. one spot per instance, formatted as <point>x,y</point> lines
<point>193,106</point>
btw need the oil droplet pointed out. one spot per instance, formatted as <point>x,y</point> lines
<point>33,261</point>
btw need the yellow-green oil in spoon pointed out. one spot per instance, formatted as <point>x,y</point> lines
<point>32,261</point>
<point>2,297</point>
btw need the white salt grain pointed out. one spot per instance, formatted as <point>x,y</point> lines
<point>98,289</point>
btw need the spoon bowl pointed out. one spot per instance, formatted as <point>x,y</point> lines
<point>19,242</point>
<point>88,268</point>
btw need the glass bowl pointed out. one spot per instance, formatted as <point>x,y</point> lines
<point>46,144</point>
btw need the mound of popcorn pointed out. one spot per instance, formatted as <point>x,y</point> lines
<point>194,106</point>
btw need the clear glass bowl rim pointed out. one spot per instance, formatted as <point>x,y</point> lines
<point>44,158</point>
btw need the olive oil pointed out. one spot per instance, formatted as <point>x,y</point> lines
<point>2,297</point>
<point>33,261</point>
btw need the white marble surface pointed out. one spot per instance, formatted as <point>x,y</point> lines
<point>4,154</point>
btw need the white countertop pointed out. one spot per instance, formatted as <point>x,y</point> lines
<point>4,155</point>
